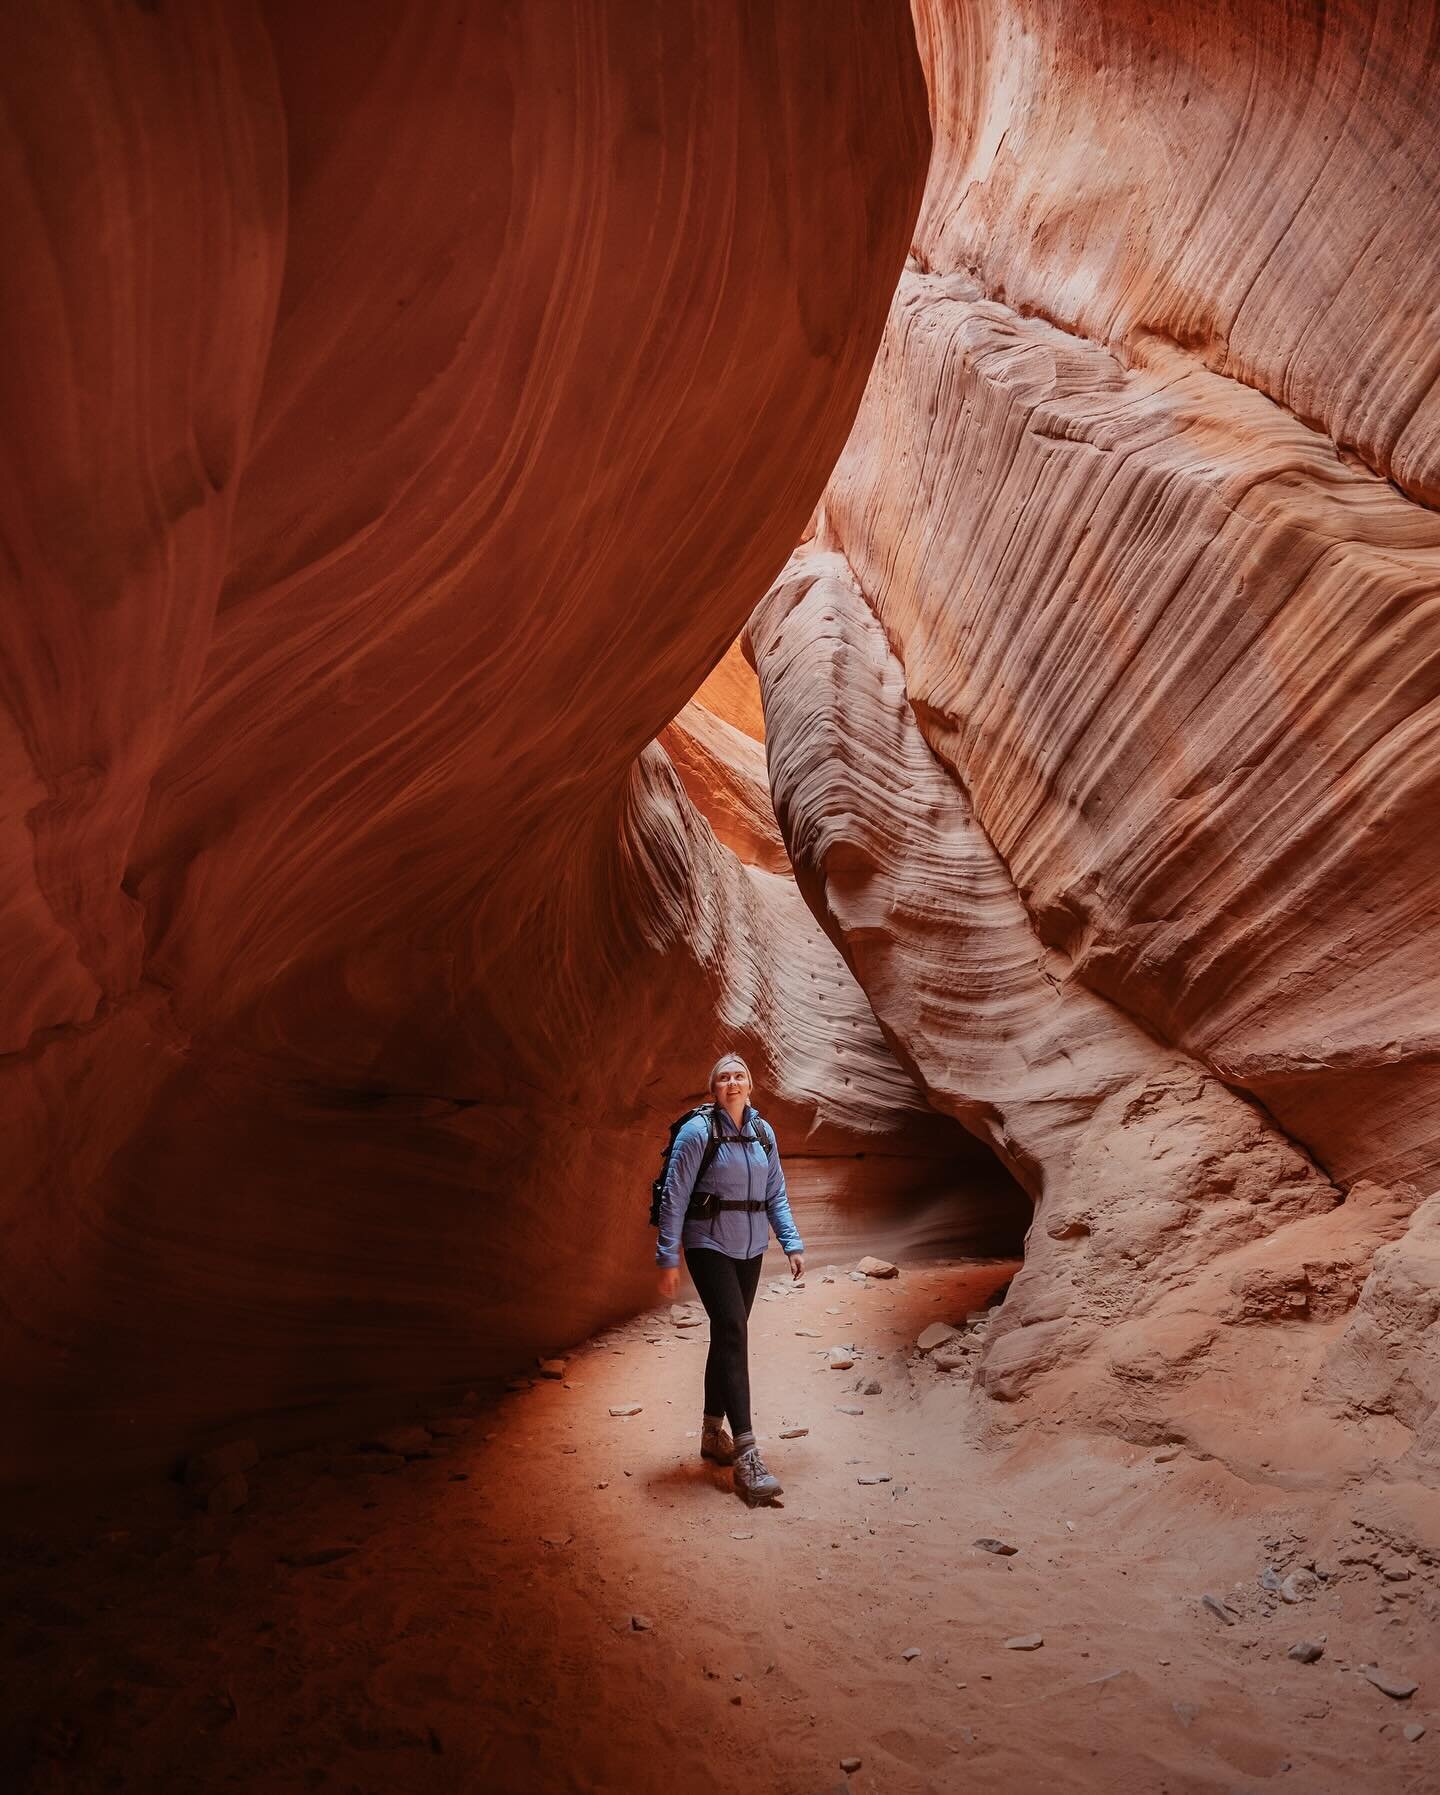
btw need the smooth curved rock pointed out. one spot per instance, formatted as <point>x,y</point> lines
<point>1101,695</point>
<point>1252,181</point>
<point>1136,1158</point>
<point>404,410</point>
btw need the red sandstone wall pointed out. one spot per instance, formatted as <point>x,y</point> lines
<point>403,411</point>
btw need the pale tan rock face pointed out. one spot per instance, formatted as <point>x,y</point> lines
<point>1101,698</point>
<point>1141,1164</point>
<point>403,411</point>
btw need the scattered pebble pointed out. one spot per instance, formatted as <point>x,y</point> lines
<point>742,1536</point>
<point>408,1442</point>
<point>937,1334</point>
<point>552,1368</point>
<point>850,1765</point>
<point>871,1389</point>
<point>556,1539</point>
<point>1414,1731</point>
<point>877,1268</point>
<point>1306,1651</point>
<point>1025,1642</point>
<point>848,1408</point>
<point>793,1433</point>
<point>807,1333</point>
<point>1299,1586</point>
<point>626,1408</point>
<point>839,1359</point>
<point>641,1623</point>
<point>998,1546</point>
<point>1400,1688</point>
<point>874,1477</point>
<point>1219,1609</point>
<point>911,1651</point>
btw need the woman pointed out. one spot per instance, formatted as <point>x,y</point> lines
<point>722,1254</point>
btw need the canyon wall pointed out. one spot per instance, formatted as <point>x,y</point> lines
<point>1102,697</point>
<point>403,414</point>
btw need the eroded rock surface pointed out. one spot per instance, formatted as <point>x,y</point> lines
<point>404,413</point>
<point>1101,698</point>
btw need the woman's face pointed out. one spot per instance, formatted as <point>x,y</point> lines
<point>732,1082</point>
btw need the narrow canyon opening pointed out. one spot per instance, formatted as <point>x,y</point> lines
<point>544,544</point>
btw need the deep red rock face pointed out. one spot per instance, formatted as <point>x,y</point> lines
<point>1101,704</point>
<point>402,414</point>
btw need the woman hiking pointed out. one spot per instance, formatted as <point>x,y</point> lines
<point>724,1241</point>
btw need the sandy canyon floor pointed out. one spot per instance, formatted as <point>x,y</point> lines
<point>561,1599</point>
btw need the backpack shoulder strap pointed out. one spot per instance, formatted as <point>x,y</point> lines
<point>711,1111</point>
<point>763,1133</point>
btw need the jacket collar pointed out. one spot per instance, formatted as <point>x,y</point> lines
<point>727,1127</point>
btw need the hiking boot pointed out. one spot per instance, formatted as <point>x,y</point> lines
<point>752,1481</point>
<point>716,1444</point>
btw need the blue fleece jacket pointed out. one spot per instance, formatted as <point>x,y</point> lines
<point>738,1169</point>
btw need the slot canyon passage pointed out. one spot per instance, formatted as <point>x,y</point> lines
<point>544,541</point>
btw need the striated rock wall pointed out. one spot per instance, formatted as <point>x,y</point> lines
<point>405,411</point>
<point>1102,701</point>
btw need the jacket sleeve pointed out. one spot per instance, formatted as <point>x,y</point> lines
<point>679,1183</point>
<point>777,1207</point>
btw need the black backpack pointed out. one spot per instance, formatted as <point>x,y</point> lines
<point>711,1111</point>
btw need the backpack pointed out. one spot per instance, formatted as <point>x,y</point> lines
<point>711,1111</point>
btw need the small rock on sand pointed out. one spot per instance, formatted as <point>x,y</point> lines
<point>1000,1547</point>
<point>1306,1651</point>
<point>911,1651</point>
<point>1400,1688</point>
<point>850,1765</point>
<point>1414,1731</point>
<point>626,1408</point>
<point>877,1268</point>
<point>1025,1642</point>
<point>874,1477</point>
<point>838,1359</point>
<point>227,1494</point>
<point>552,1368</point>
<point>409,1442</point>
<point>208,1468</point>
<point>641,1623</point>
<point>939,1333</point>
<point>793,1433</point>
<point>848,1408</point>
<point>1218,1609</point>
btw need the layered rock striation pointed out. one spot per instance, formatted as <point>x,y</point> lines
<point>406,412</point>
<point>1102,698</point>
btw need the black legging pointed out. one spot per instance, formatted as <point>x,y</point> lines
<point>727,1288</point>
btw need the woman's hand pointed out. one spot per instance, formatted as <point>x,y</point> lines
<point>669,1283</point>
<point>797,1264</point>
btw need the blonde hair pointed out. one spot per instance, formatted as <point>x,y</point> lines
<point>725,1060</point>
